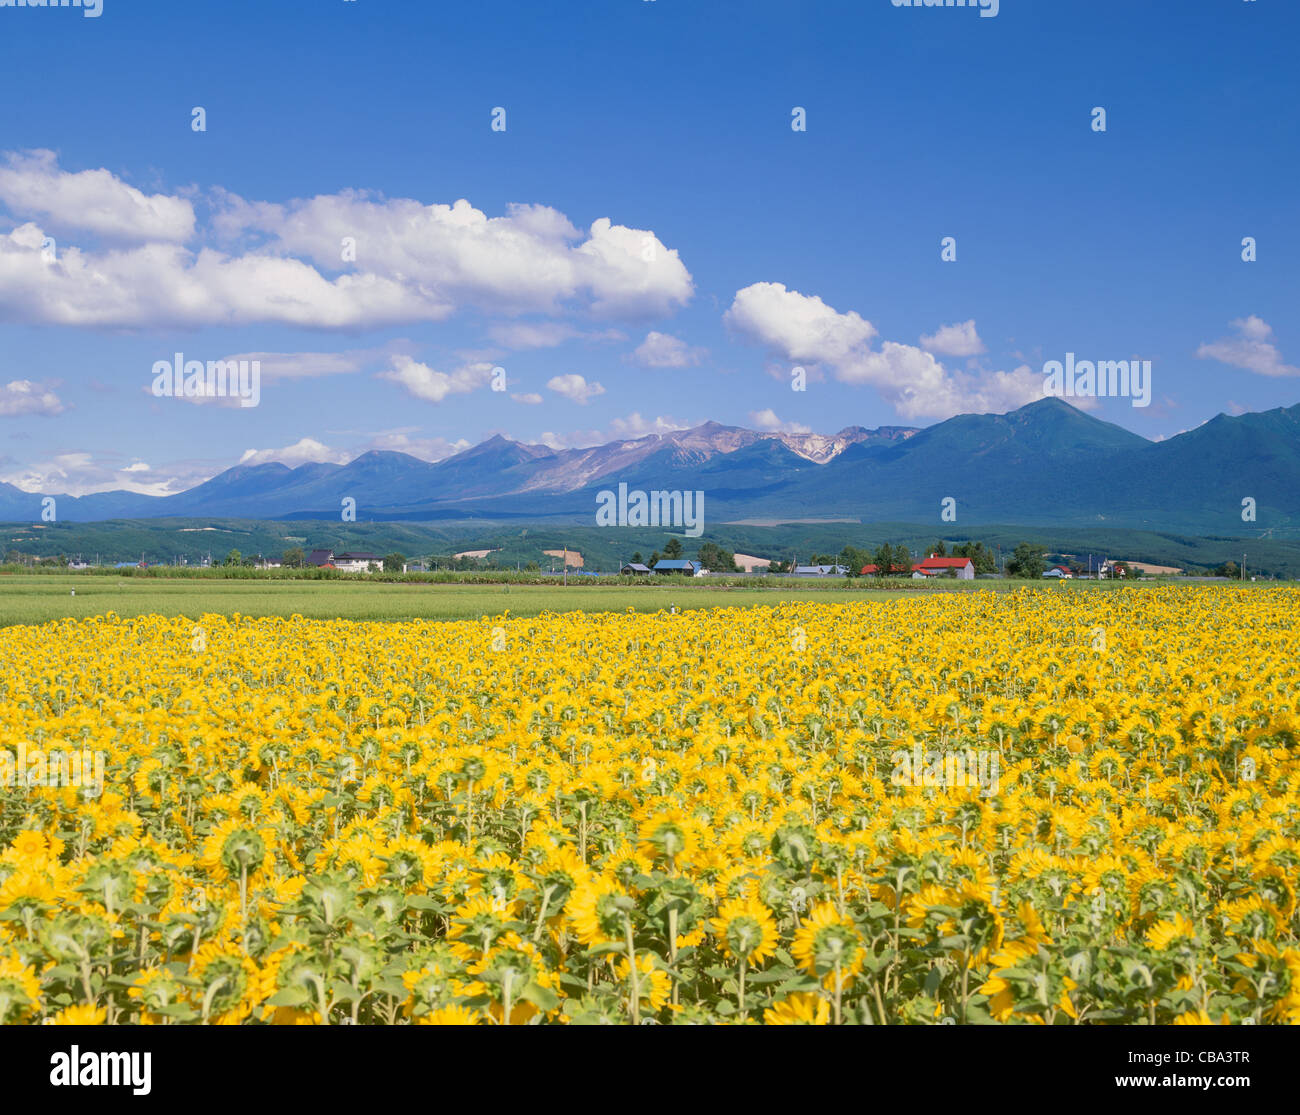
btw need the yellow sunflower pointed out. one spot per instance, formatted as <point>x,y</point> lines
<point>746,930</point>
<point>828,946</point>
<point>799,1009</point>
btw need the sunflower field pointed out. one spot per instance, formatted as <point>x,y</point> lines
<point>1037,806</point>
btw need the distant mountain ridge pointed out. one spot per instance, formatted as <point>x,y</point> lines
<point>1044,463</point>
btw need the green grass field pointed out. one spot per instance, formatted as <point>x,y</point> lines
<point>29,599</point>
<point>38,599</point>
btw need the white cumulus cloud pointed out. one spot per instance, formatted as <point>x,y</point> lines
<point>662,350</point>
<point>798,326</point>
<point>79,474</point>
<point>303,451</point>
<point>433,386</point>
<point>23,397</point>
<point>1252,349</point>
<point>802,329</point>
<point>954,340</point>
<point>96,201</point>
<point>575,387</point>
<point>767,420</point>
<point>338,261</point>
<point>161,285</point>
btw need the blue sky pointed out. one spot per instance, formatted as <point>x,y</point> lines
<point>648,243</point>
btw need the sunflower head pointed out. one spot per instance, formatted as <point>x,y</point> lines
<point>1177,932</point>
<point>600,911</point>
<point>745,930</point>
<point>20,991</point>
<point>828,946</point>
<point>799,1009</point>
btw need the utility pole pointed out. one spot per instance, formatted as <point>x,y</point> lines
<point>1243,567</point>
<point>565,559</point>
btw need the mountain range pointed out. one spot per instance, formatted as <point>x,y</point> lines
<point>1046,463</point>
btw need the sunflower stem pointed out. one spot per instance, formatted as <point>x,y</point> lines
<point>633,975</point>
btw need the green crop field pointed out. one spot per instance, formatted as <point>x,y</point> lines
<point>39,598</point>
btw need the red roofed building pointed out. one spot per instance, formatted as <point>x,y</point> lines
<point>872,570</point>
<point>963,568</point>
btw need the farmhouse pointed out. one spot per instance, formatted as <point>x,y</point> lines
<point>359,562</point>
<point>635,569</point>
<point>665,565</point>
<point>963,568</point>
<point>820,570</point>
<point>322,559</point>
<point>1060,572</point>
